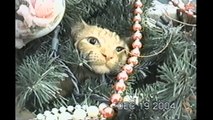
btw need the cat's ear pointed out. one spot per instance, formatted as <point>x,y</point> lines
<point>76,29</point>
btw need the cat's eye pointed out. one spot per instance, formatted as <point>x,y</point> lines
<point>93,40</point>
<point>119,48</point>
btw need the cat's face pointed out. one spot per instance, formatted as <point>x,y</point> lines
<point>103,49</point>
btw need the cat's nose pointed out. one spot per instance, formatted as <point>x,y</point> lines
<point>107,56</point>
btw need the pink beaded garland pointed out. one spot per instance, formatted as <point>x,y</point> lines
<point>128,68</point>
<point>138,11</point>
<point>137,18</point>
<point>136,26</point>
<point>108,112</point>
<point>132,61</point>
<point>120,86</point>
<point>135,52</point>
<point>138,3</point>
<point>116,98</point>
<point>136,35</point>
<point>136,44</point>
<point>122,76</point>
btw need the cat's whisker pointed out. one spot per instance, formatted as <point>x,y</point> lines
<point>89,67</point>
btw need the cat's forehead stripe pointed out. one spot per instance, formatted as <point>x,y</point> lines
<point>109,34</point>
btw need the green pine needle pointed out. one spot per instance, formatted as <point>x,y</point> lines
<point>38,79</point>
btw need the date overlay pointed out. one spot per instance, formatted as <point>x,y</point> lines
<point>148,105</point>
<point>157,105</point>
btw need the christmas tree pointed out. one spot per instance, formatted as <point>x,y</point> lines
<point>162,86</point>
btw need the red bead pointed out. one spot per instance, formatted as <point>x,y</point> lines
<point>138,11</point>
<point>108,112</point>
<point>138,3</point>
<point>116,98</point>
<point>137,18</point>
<point>135,52</point>
<point>122,76</point>
<point>120,86</point>
<point>136,35</point>
<point>137,44</point>
<point>128,68</point>
<point>133,60</point>
<point>136,26</point>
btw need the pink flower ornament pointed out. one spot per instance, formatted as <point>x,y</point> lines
<point>40,17</point>
<point>39,12</point>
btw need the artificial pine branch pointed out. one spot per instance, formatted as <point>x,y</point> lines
<point>37,82</point>
<point>181,77</point>
<point>70,55</point>
<point>178,69</point>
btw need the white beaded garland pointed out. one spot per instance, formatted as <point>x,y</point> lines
<point>65,116</point>
<point>70,108</point>
<point>78,107</point>
<point>102,106</point>
<point>62,109</point>
<point>84,107</point>
<point>40,117</point>
<point>70,113</point>
<point>47,112</point>
<point>79,114</point>
<point>54,110</point>
<point>51,117</point>
<point>92,111</point>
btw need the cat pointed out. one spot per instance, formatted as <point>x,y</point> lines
<point>104,50</point>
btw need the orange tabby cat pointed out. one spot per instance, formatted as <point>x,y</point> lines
<point>104,50</point>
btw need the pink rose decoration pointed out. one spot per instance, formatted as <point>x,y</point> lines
<point>39,12</point>
<point>40,18</point>
<point>42,8</point>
